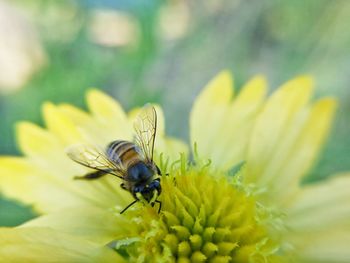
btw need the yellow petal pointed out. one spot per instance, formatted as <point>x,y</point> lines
<point>271,123</point>
<point>306,148</point>
<point>320,206</point>
<point>49,155</point>
<point>91,223</point>
<point>232,139</point>
<point>35,141</point>
<point>220,125</point>
<point>89,128</point>
<point>104,106</point>
<point>287,137</point>
<point>170,148</point>
<point>252,92</point>
<point>60,125</point>
<point>218,90</point>
<point>110,115</point>
<point>20,179</point>
<point>330,246</point>
<point>47,191</point>
<point>208,113</point>
<point>44,149</point>
<point>38,244</point>
<point>77,116</point>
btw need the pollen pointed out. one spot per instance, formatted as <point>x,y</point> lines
<point>205,217</point>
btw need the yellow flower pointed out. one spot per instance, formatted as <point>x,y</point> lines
<point>240,200</point>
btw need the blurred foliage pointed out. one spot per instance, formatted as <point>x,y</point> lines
<point>277,38</point>
<point>13,213</point>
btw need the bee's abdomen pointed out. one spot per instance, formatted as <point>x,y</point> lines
<point>123,152</point>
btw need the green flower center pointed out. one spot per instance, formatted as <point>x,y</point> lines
<point>204,218</point>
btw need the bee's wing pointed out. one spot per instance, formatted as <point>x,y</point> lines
<point>146,128</point>
<point>93,157</point>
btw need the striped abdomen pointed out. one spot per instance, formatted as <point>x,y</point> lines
<point>124,153</point>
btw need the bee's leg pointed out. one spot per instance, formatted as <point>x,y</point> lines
<point>159,172</point>
<point>91,176</point>
<point>126,208</point>
<point>122,185</point>
<point>160,205</point>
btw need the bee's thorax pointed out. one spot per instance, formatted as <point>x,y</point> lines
<point>139,173</point>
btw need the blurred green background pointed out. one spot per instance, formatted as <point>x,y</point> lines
<point>165,51</point>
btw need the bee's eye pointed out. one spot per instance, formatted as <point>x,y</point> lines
<point>138,189</point>
<point>155,184</point>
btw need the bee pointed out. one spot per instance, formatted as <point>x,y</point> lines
<point>130,161</point>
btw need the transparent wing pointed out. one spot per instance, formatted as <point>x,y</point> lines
<point>146,128</point>
<point>95,158</point>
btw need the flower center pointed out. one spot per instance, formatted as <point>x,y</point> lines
<point>203,218</point>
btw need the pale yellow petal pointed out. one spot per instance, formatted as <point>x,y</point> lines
<point>230,144</point>
<point>306,148</point>
<point>90,128</point>
<point>91,223</point>
<point>287,138</point>
<point>44,148</point>
<point>220,124</point>
<point>34,141</point>
<point>103,106</point>
<point>20,179</point>
<point>60,125</point>
<point>110,115</point>
<point>87,126</point>
<point>254,90</point>
<point>320,206</point>
<point>77,116</point>
<point>218,90</point>
<point>318,221</point>
<point>48,154</point>
<point>323,247</point>
<point>170,148</point>
<point>209,112</point>
<point>47,191</point>
<point>38,244</point>
<point>271,124</point>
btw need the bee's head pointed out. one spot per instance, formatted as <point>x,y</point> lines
<point>148,191</point>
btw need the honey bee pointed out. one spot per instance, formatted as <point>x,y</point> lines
<point>130,161</point>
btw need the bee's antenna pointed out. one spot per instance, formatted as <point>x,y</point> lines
<point>126,208</point>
